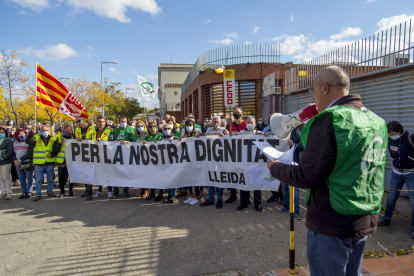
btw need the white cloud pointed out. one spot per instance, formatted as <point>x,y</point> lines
<point>151,77</point>
<point>256,29</point>
<point>52,52</point>
<point>36,5</point>
<point>113,70</point>
<point>225,41</point>
<point>116,9</point>
<point>88,55</point>
<point>232,35</point>
<point>22,12</point>
<point>247,42</point>
<point>387,23</point>
<point>133,73</point>
<point>208,20</point>
<point>346,32</point>
<point>369,1</point>
<point>291,18</point>
<point>90,48</point>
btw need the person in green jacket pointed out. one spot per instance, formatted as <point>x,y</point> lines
<point>154,136</point>
<point>6,153</point>
<point>122,134</point>
<point>140,135</point>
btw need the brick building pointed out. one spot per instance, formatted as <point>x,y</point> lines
<point>204,97</point>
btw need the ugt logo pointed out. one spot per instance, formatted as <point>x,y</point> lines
<point>374,156</point>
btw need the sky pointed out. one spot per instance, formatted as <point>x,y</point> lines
<point>70,38</point>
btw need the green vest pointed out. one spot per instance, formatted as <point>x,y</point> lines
<point>137,137</point>
<point>157,137</point>
<point>104,134</point>
<point>123,134</point>
<point>40,151</point>
<point>356,184</point>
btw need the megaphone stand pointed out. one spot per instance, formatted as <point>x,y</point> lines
<point>292,231</point>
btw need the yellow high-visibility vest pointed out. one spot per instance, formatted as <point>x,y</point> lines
<point>78,132</point>
<point>41,150</point>
<point>61,155</point>
<point>104,135</point>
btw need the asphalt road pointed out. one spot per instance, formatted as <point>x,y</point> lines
<point>133,236</point>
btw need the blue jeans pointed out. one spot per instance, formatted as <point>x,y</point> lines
<point>49,171</point>
<point>172,192</point>
<point>397,182</point>
<point>211,191</point>
<point>286,198</point>
<point>329,255</point>
<point>27,186</point>
<point>116,190</point>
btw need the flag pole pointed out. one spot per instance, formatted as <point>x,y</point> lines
<point>35,99</point>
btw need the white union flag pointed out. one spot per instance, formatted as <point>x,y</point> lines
<point>148,89</point>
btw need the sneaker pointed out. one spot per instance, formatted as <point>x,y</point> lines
<point>231,199</point>
<point>188,200</point>
<point>284,209</point>
<point>207,202</point>
<point>297,215</point>
<point>98,194</point>
<point>27,195</point>
<point>88,197</point>
<point>62,195</point>
<point>37,198</point>
<point>159,197</point>
<point>110,196</point>
<point>271,199</point>
<point>194,201</point>
<point>51,195</point>
<point>9,196</point>
<point>22,196</point>
<point>384,221</point>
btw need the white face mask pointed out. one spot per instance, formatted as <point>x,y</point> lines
<point>395,137</point>
<point>216,126</point>
<point>133,124</point>
<point>123,125</point>
<point>249,127</point>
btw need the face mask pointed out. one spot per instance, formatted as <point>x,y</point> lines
<point>167,132</point>
<point>249,127</point>
<point>11,123</point>
<point>133,124</point>
<point>161,125</point>
<point>395,137</point>
<point>237,116</point>
<point>189,129</point>
<point>45,133</point>
<point>12,132</point>
<point>123,125</point>
<point>2,135</point>
<point>106,125</point>
<point>141,129</point>
<point>259,122</point>
<point>22,137</point>
<point>216,126</point>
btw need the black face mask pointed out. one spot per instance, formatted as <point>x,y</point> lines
<point>237,116</point>
<point>106,125</point>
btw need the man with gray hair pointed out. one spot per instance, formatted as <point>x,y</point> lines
<point>342,167</point>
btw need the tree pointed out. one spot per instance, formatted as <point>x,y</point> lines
<point>12,76</point>
<point>131,108</point>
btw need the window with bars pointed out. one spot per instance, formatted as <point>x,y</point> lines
<point>213,99</point>
<point>195,105</point>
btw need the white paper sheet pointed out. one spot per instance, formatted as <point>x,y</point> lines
<point>89,173</point>
<point>272,153</point>
<point>255,176</point>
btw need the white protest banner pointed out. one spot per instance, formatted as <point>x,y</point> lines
<point>226,162</point>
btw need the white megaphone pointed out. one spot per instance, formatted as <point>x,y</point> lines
<point>282,125</point>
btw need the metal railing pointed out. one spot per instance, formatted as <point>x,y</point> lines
<point>231,55</point>
<point>387,49</point>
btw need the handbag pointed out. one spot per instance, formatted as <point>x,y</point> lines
<point>26,166</point>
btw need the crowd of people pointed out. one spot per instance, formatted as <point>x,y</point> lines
<point>32,153</point>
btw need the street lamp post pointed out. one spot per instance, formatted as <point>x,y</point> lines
<point>126,90</point>
<point>103,104</point>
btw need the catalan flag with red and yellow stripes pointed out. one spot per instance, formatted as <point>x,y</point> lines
<point>53,95</point>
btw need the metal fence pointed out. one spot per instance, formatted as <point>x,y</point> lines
<point>390,48</point>
<point>231,55</point>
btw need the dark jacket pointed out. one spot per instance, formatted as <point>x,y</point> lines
<point>260,127</point>
<point>7,151</point>
<point>31,141</point>
<point>295,137</point>
<point>402,153</point>
<point>316,164</point>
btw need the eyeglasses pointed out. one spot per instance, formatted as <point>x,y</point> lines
<point>311,90</point>
<point>78,121</point>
